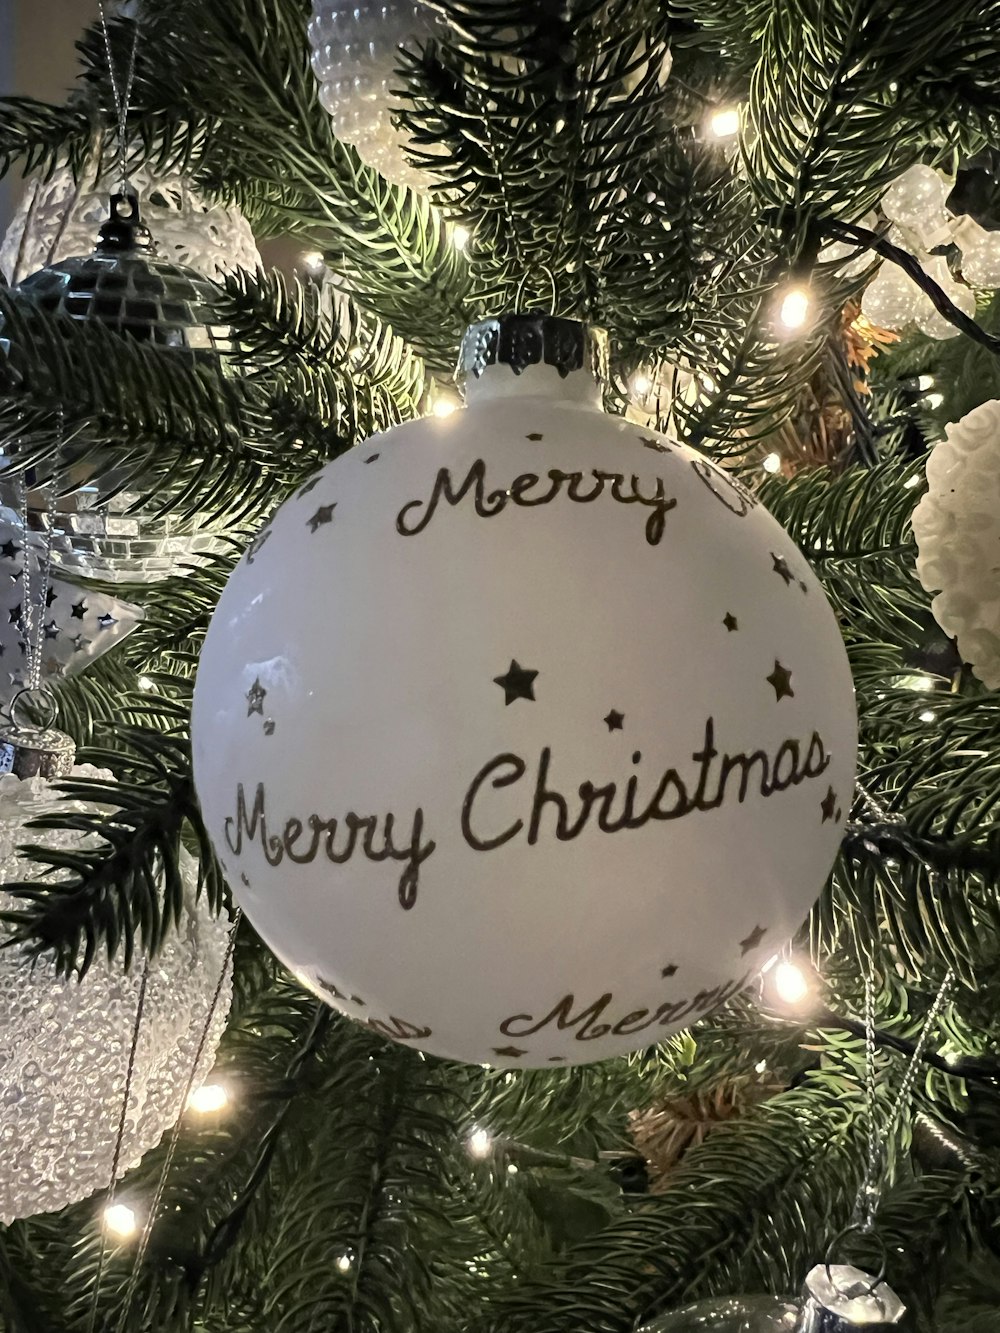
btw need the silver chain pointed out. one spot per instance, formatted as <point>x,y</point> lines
<point>122,96</point>
<point>36,583</point>
<point>870,1194</point>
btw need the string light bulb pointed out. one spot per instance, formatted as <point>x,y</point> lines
<point>210,1097</point>
<point>444,405</point>
<point>120,1220</point>
<point>460,237</point>
<point>313,261</point>
<point>479,1143</point>
<point>794,309</point>
<point>344,1262</point>
<point>145,683</point>
<point>772,463</point>
<point>641,383</point>
<point>724,122</point>
<point>788,983</point>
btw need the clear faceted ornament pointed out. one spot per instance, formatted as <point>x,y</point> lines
<point>64,1043</point>
<point>355,53</point>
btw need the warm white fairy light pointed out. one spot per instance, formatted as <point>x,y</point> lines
<point>772,463</point>
<point>760,1067</point>
<point>312,260</point>
<point>925,382</point>
<point>145,683</point>
<point>209,1098</point>
<point>725,122</point>
<point>120,1220</point>
<point>641,383</point>
<point>794,309</point>
<point>910,482</point>
<point>460,237</point>
<point>934,401</point>
<point>344,1262</point>
<point>789,983</point>
<point>479,1143</point>
<point>444,405</point>
<point>511,1169</point>
<point>928,715</point>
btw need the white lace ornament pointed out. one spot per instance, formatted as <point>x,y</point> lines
<point>957,527</point>
<point>64,1044</point>
<point>59,218</point>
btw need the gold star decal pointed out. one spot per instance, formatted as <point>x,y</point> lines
<point>781,679</point>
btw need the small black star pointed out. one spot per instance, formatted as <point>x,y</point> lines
<point>753,939</point>
<point>244,880</point>
<point>269,727</point>
<point>324,514</point>
<point>781,679</point>
<point>310,485</point>
<point>615,720</point>
<point>372,457</point>
<point>648,442</point>
<point>254,549</point>
<point>52,630</point>
<point>511,1052</point>
<point>669,970</point>
<point>781,567</point>
<point>730,621</point>
<point>554,1058</point>
<point>330,988</point>
<point>14,615</point>
<point>79,609</point>
<point>107,620</point>
<point>517,683</point>
<point>50,596</point>
<point>534,435</point>
<point>255,696</point>
<point>804,586</point>
<point>9,550</point>
<point>23,646</point>
<point>828,804</point>
<point>53,667</point>
<point>356,999</point>
<point>79,643</point>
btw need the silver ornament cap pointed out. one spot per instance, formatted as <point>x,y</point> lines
<point>35,749</point>
<point>838,1298</point>
<point>534,338</point>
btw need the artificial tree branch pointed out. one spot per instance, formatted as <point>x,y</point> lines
<point>855,235</point>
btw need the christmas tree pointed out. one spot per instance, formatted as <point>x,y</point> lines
<point>784,214</point>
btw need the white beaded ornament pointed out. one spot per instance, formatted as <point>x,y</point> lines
<point>355,51</point>
<point>64,1044</point>
<point>59,218</point>
<point>957,527</point>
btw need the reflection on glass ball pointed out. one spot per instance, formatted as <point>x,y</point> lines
<point>729,1314</point>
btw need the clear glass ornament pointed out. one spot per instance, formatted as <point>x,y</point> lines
<point>957,527</point>
<point>730,1314</point>
<point>60,217</point>
<point>354,57</point>
<point>916,200</point>
<point>980,253</point>
<point>64,1044</point>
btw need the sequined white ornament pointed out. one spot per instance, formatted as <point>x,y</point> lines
<point>560,752</point>
<point>59,218</point>
<point>916,201</point>
<point>957,527</point>
<point>980,253</point>
<point>355,52</point>
<point>64,1044</point>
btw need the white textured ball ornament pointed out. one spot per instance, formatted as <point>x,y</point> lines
<point>957,527</point>
<point>525,735</point>
<point>60,217</point>
<point>64,1044</point>
<point>355,52</point>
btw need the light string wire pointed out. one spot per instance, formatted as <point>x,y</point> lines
<point>175,1134</point>
<point>122,95</point>
<point>119,1139</point>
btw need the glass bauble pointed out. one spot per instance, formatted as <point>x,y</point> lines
<point>980,254</point>
<point>127,287</point>
<point>65,1043</point>
<point>355,53</point>
<point>730,1314</point>
<point>957,527</point>
<point>916,200</point>
<point>525,735</point>
<point>59,218</point>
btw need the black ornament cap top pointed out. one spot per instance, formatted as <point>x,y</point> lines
<point>519,341</point>
<point>125,229</point>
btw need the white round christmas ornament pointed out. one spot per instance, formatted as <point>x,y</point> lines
<point>525,735</point>
<point>60,217</point>
<point>957,527</point>
<point>916,200</point>
<point>65,1043</point>
<point>355,52</point>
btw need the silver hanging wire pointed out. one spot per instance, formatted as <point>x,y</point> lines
<point>870,1192</point>
<point>122,94</point>
<point>119,1139</point>
<point>36,584</point>
<point>175,1133</point>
